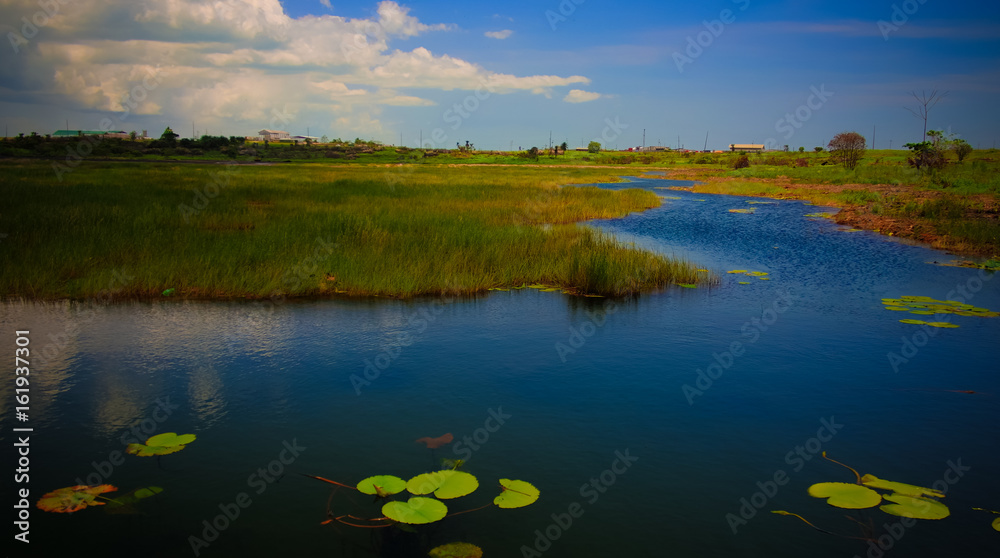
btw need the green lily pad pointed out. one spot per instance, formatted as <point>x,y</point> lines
<point>923,312</point>
<point>996,524</point>
<point>516,494</point>
<point>161,444</point>
<point>125,504</point>
<point>917,508</point>
<point>737,271</point>
<point>416,510</point>
<point>898,308</point>
<point>915,322</point>
<point>899,487</point>
<point>750,210</point>
<point>757,273</point>
<point>445,484</point>
<point>687,285</point>
<point>456,550</point>
<point>744,282</point>
<point>382,485</point>
<point>73,498</point>
<point>845,495</point>
<point>943,324</point>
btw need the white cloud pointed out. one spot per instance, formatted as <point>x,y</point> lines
<point>396,20</point>
<point>581,96</point>
<point>326,4</point>
<point>499,34</point>
<point>233,64</point>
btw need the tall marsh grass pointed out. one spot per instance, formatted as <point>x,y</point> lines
<point>305,230</point>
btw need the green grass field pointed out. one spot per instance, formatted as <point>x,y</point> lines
<point>219,231</point>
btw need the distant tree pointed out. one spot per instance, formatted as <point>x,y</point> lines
<point>132,135</point>
<point>324,139</point>
<point>928,156</point>
<point>924,104</point>
<point>594,147</point>
<point>801,149</point>
<point>533,153</point>
<point>169,136</point>
<point>961,148</point>
<point>564,147</point>
<point>818,149</point>
<point>847,148</point>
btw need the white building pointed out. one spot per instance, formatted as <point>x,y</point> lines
<point>273,135</point>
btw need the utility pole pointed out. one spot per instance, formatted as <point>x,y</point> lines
<point>706,142</point>
<point>643,139</point>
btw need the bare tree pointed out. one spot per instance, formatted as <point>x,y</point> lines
<point>924,104</point>
<point>848,148</point>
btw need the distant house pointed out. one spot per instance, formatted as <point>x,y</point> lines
<point>747,147</point>
<point>273,135</point>
<point>78,133</point>
<point>312,139</point>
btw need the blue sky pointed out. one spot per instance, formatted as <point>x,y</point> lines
<point>507,74</point>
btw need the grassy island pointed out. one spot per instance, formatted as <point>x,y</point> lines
<point>196,230</point>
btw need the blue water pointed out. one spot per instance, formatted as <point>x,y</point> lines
<point>579,384</point>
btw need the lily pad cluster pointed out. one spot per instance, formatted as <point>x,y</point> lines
<point>762,275</point>
<point>161,444</point>
<point>428,490</point>
<point>547,289</point>
<point>75,498</point>
<point>744,210</point>
<point>904,500</point>
<point>927,306</point>
<point>894,498</point>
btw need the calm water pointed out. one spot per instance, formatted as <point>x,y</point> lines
<point>577,384</point>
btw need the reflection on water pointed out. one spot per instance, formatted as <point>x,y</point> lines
<point>205,390</point>
<point>247,378</point>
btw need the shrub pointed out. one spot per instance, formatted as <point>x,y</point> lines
<point>962,149</point>
<point>742,162</point>
<point>847,148</point>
